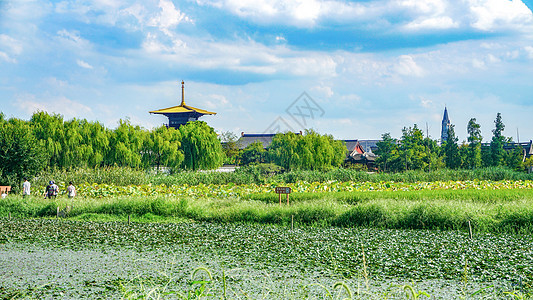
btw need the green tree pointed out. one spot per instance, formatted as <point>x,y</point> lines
<point>388,155</point>
<point>96,142</point>
<point>283,150</point>
<point>230,146</point>
<point>497,142</point>
<point>49,130</point>
<point>310,151</point>
<point>126,144</point>
<point>162,148</point>
<point>412,149</point>
<point>486,156</point>
<point>21,153</point>
<point>320,152</point>
<point>514,157</point>
<point>451,150</point>
<point>201,146</point>
<point>473,157</point>
<point>433,160</point>
<point>528,164</point>
<point>253,154</point>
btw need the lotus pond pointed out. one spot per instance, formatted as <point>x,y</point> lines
<point>56,258</point>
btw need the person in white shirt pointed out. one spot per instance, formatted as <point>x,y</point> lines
<point>71,190</point>
<point>26,186</point>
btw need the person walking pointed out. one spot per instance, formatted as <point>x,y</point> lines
<point>71,189</point>
<point>26,186</point>
<point>51,190</point>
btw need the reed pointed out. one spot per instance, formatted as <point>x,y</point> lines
<point>411,210</point>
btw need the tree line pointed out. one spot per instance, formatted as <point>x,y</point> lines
<point>413,151</point>
<point>47,141</point>
<point>290,151</point>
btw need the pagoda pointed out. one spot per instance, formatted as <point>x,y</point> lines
<point>183,113</point>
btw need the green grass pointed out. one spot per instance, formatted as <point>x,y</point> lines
<point>486,210</point>
<point>490,196</point>
<point>122,176</point>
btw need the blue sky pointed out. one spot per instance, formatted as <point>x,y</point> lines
<point>369,67</point>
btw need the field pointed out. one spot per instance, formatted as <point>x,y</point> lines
<point>57,258</point>
<point>484,206</point>
<point>438,239</point>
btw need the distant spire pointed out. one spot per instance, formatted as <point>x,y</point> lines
<point>182,93</point>
<point>445,126</point>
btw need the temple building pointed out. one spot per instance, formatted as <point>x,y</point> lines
<point>445,126</point>
<point>183,113</point>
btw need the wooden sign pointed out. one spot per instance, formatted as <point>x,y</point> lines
<point>283,190</point>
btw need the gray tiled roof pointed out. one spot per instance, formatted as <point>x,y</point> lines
<point>246,139</point>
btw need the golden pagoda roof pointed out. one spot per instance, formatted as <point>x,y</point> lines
<point>182,108</point>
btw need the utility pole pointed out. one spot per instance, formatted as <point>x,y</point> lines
<point>427,146</point>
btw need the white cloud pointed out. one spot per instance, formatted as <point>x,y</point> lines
<point>9,48</point>
<point>429,14</point>
<point>443,22</point>
<point>168,17</point>
<point>61,105</point>
<point>478,64</point>
<point>73,39</point>
<point>488,15</point>
<point>84,64</point>
<point>352,98</point>
<point>300,13</point>
<point>529,51</point>
<point>407,66</point>
<point>323,90</point>
<point>7,58</point>
<point>425,102</point>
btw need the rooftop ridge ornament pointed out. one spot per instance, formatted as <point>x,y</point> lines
<point>182,93</point>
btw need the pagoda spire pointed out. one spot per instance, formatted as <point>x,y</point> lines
<point>182,93</point>
<point>445,126</point>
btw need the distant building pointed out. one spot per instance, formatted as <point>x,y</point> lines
<point>183,113</point>
<point>264,138</point>
<point>527,148</point>
<point>445,126</point>
<point>361,152</point>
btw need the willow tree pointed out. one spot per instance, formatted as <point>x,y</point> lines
<point>125,145</point>
<point>162,148</point>
<point>283,150</point>
<point>201,147</point>
<point>21,154</point>
<point>310,151</point>
<point>49,130</point>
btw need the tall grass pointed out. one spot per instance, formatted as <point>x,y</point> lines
<point>352,198</point>
<point>121,176</point>
<point>415,211</point>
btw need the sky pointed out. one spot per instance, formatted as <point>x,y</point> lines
<point>352,69</point>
